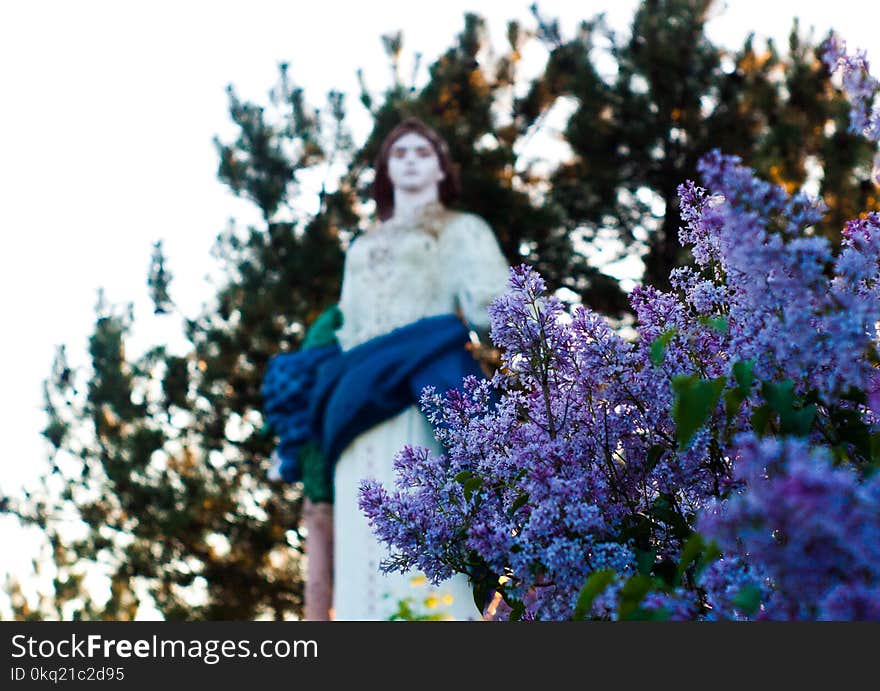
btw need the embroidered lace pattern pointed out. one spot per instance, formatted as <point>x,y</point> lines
<point>401,272</point>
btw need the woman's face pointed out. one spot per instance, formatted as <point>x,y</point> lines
<point>413,165</point>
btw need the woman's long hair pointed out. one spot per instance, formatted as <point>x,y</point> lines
<point>383,191</point>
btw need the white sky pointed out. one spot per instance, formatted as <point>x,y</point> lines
<point>106,125</point>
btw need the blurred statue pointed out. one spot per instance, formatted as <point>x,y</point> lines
<point>415,291</point>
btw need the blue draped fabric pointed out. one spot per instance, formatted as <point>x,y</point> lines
<point>287,384</point>
<point>328,396</point>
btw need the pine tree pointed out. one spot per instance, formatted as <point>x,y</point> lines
<point>675,97</point>
<point>162,458</point>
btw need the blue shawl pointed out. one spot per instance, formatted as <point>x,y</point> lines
<point>326,396</point>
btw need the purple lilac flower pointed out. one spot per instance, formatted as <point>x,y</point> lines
<point>848,602</point>
<point>811,526</point>
<point>771,281</point>
<point>675,606</point>
<point>724,580</point>
<point>874,395</point>
<point>860,87</point>
<point>861,90</point>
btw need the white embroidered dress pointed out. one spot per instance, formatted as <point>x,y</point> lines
<point>395,275</point>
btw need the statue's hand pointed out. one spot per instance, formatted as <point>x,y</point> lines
<point>488,357</point>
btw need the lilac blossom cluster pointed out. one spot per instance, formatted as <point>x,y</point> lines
<point>508,496</point>
<point>720,466</point>
<point>813,528</point>
<point>789,304</point>
<point>860,88</point>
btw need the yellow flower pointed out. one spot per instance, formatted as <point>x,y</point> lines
<point>417,581</point>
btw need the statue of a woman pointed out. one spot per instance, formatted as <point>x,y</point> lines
<point>413,288</point>
<point>420,261</point>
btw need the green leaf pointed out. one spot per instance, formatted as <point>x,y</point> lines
<point>463,476</point>
<point>718,323</point>
<point>658,347</point>
<point>698,552</point>
<point>856,395</point>
<point>595,586</point>
<point>641,614</point>
<point>632,594</point>
<point>840,454</point>
<point>637,528</point>
<point>733,399</point>
<point>520,501</point>
<point>645,560</point>
<point>482,588</point>
<point>516,611</point>
<point>659,614</point>
<point>780,397</point>
<point>471,485</point>
<point>744,374</point>
<point>711,552</point>
<point>691,551</point>
<point>851,429</point>
<point>662,509</point>
<point>813,396</point>
<point>798,422</point>
<point>748,599</point>
<point>694,401</point>
<point>655,453</point>
<point>664,570</point>
<point>761,419</point>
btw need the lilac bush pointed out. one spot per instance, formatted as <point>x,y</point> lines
<point>720,466</point>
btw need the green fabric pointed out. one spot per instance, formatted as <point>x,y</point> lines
<point>323,330</point>
<point>316,484</point>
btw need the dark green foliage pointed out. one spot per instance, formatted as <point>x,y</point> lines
<point>695,400</point>
<point>159,280</point>
<point>675,97</point>
<point>658,347</point>
<point>595,585</point>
